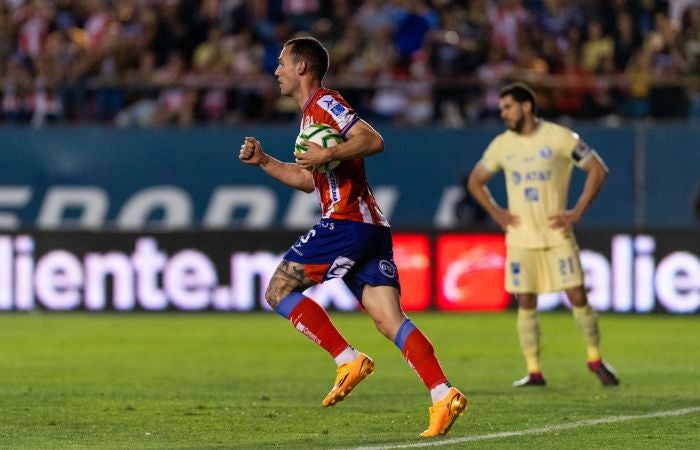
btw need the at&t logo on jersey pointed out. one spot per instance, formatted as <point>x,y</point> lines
<point>517,178</point>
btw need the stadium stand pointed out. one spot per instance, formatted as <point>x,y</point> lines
<point>164,62</point>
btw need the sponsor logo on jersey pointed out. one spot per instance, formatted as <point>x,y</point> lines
<point>337,109</point>
<point>538,175</point>
<point>333,187</point>
<point>517,178</point>
<point>340,113</point>
<point>340,267</point>
<point>387,268</point>
<point>532,194</point>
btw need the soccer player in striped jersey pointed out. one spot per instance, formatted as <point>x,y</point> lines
<point>352,240</point>
<point>537,158</point>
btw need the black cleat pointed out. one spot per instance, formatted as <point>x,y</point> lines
<point>531,379</point>
<point>605,373</point>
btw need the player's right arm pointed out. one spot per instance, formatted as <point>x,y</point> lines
<point>290,174</point>
<point>476,184</point>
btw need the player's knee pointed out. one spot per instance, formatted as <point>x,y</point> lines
<point>383,328</point>
<point>577,297</point>
<point>527,301</point>
<point>273,296</point>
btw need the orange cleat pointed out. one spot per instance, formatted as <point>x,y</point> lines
<point>350,374</point>
<point>444,413</point>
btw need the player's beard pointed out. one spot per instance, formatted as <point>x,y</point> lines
<point>518,125</point>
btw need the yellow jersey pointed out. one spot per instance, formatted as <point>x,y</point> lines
<point>537,169</point>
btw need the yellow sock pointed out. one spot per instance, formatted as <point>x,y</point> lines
<point>587,322</point>
<point>529,335</point>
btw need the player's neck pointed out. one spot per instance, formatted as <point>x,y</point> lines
<point>306,90</point>
<point>530,126</point>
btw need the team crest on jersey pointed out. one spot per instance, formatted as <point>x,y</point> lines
<point>308,121</point>
<point>546,152</point>
<point>515,270</point>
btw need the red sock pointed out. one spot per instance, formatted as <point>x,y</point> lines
<point>311,320</point>
<point>418,352</point>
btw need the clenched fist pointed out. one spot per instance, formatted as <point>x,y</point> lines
<point>251,151</point>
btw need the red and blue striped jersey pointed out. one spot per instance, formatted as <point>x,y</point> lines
<point>344,192</point>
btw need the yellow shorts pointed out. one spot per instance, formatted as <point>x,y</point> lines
<point>540,270</point>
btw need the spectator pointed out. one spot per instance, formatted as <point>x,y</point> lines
<point>668,100</point>
<point>627,40</point>
<point>691,36</point>
<point>87,53</point>
<point>495,72</point>
<point>597,48</point>
<point>639,79</point>
<point>177,99</point>
<point>509,22</point>
<point>414,22</point>
<point>454,52</point>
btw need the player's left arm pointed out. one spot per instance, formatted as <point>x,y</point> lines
<point>596,173</point>
<point>361,140</point>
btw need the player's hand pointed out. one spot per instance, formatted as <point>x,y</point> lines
<point>314,157</point>
<point>251,151</point>
<point>504,219</point>
<point>563,220</point>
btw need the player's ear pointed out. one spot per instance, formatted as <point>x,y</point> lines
<point>301,67</point>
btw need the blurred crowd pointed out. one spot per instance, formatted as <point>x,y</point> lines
<point>151,63</point>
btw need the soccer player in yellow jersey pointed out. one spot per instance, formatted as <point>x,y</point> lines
<point>537,158</point>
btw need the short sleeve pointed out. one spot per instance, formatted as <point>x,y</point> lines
<point>490,158</point>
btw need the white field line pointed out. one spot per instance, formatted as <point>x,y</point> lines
<point>543,430</point>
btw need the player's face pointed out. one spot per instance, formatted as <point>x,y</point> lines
<point>512,113</point>
<point>286,73</point>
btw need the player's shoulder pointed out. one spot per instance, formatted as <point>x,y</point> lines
<point>330,101</point>
<point>327,94</point>
<point>502,139</point>
<point>558,130</point>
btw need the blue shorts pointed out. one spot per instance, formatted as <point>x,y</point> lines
<point>359,253</point>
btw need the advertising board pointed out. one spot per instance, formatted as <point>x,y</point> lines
<point>228,271</point>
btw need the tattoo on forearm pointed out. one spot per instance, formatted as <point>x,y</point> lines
<point>264,161</point>
<point>290,271</point>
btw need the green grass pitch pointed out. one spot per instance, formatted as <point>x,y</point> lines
<point>198,381</point>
